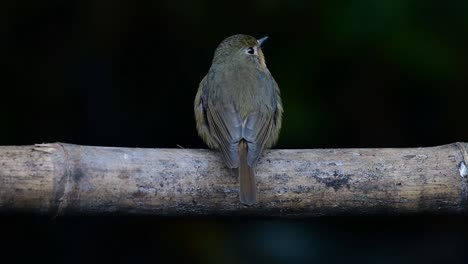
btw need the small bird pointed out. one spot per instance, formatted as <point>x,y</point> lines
<point>238,108</point>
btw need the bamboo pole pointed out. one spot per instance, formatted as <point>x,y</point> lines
<point>63,179</point>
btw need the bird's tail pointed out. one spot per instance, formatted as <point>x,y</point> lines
<point>248,189</point>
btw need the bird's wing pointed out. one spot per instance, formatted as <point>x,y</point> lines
<point>256,131</point>
<point>261,128</point>
<point>200,106</point>
<point>226,127</point>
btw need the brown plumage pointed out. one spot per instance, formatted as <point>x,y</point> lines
<point>238,108</point>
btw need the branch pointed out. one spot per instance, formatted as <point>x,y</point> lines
<point>57,179</point>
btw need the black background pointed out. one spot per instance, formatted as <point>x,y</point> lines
<point>125,73</point>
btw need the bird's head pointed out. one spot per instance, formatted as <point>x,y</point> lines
<point>240,48</point>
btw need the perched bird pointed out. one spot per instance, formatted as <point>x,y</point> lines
<point>238,108</point>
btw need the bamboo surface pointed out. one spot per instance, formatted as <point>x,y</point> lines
<point>64,179</point>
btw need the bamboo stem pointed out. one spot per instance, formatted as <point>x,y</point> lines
<point>63,179</point>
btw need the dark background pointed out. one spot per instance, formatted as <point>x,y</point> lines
<point>369,73</point>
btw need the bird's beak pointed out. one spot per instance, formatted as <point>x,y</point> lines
<point>260,41</point>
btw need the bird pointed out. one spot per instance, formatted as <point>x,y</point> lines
<point>238,108</point>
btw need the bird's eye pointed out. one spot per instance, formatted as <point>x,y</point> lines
<point>250,50</point>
